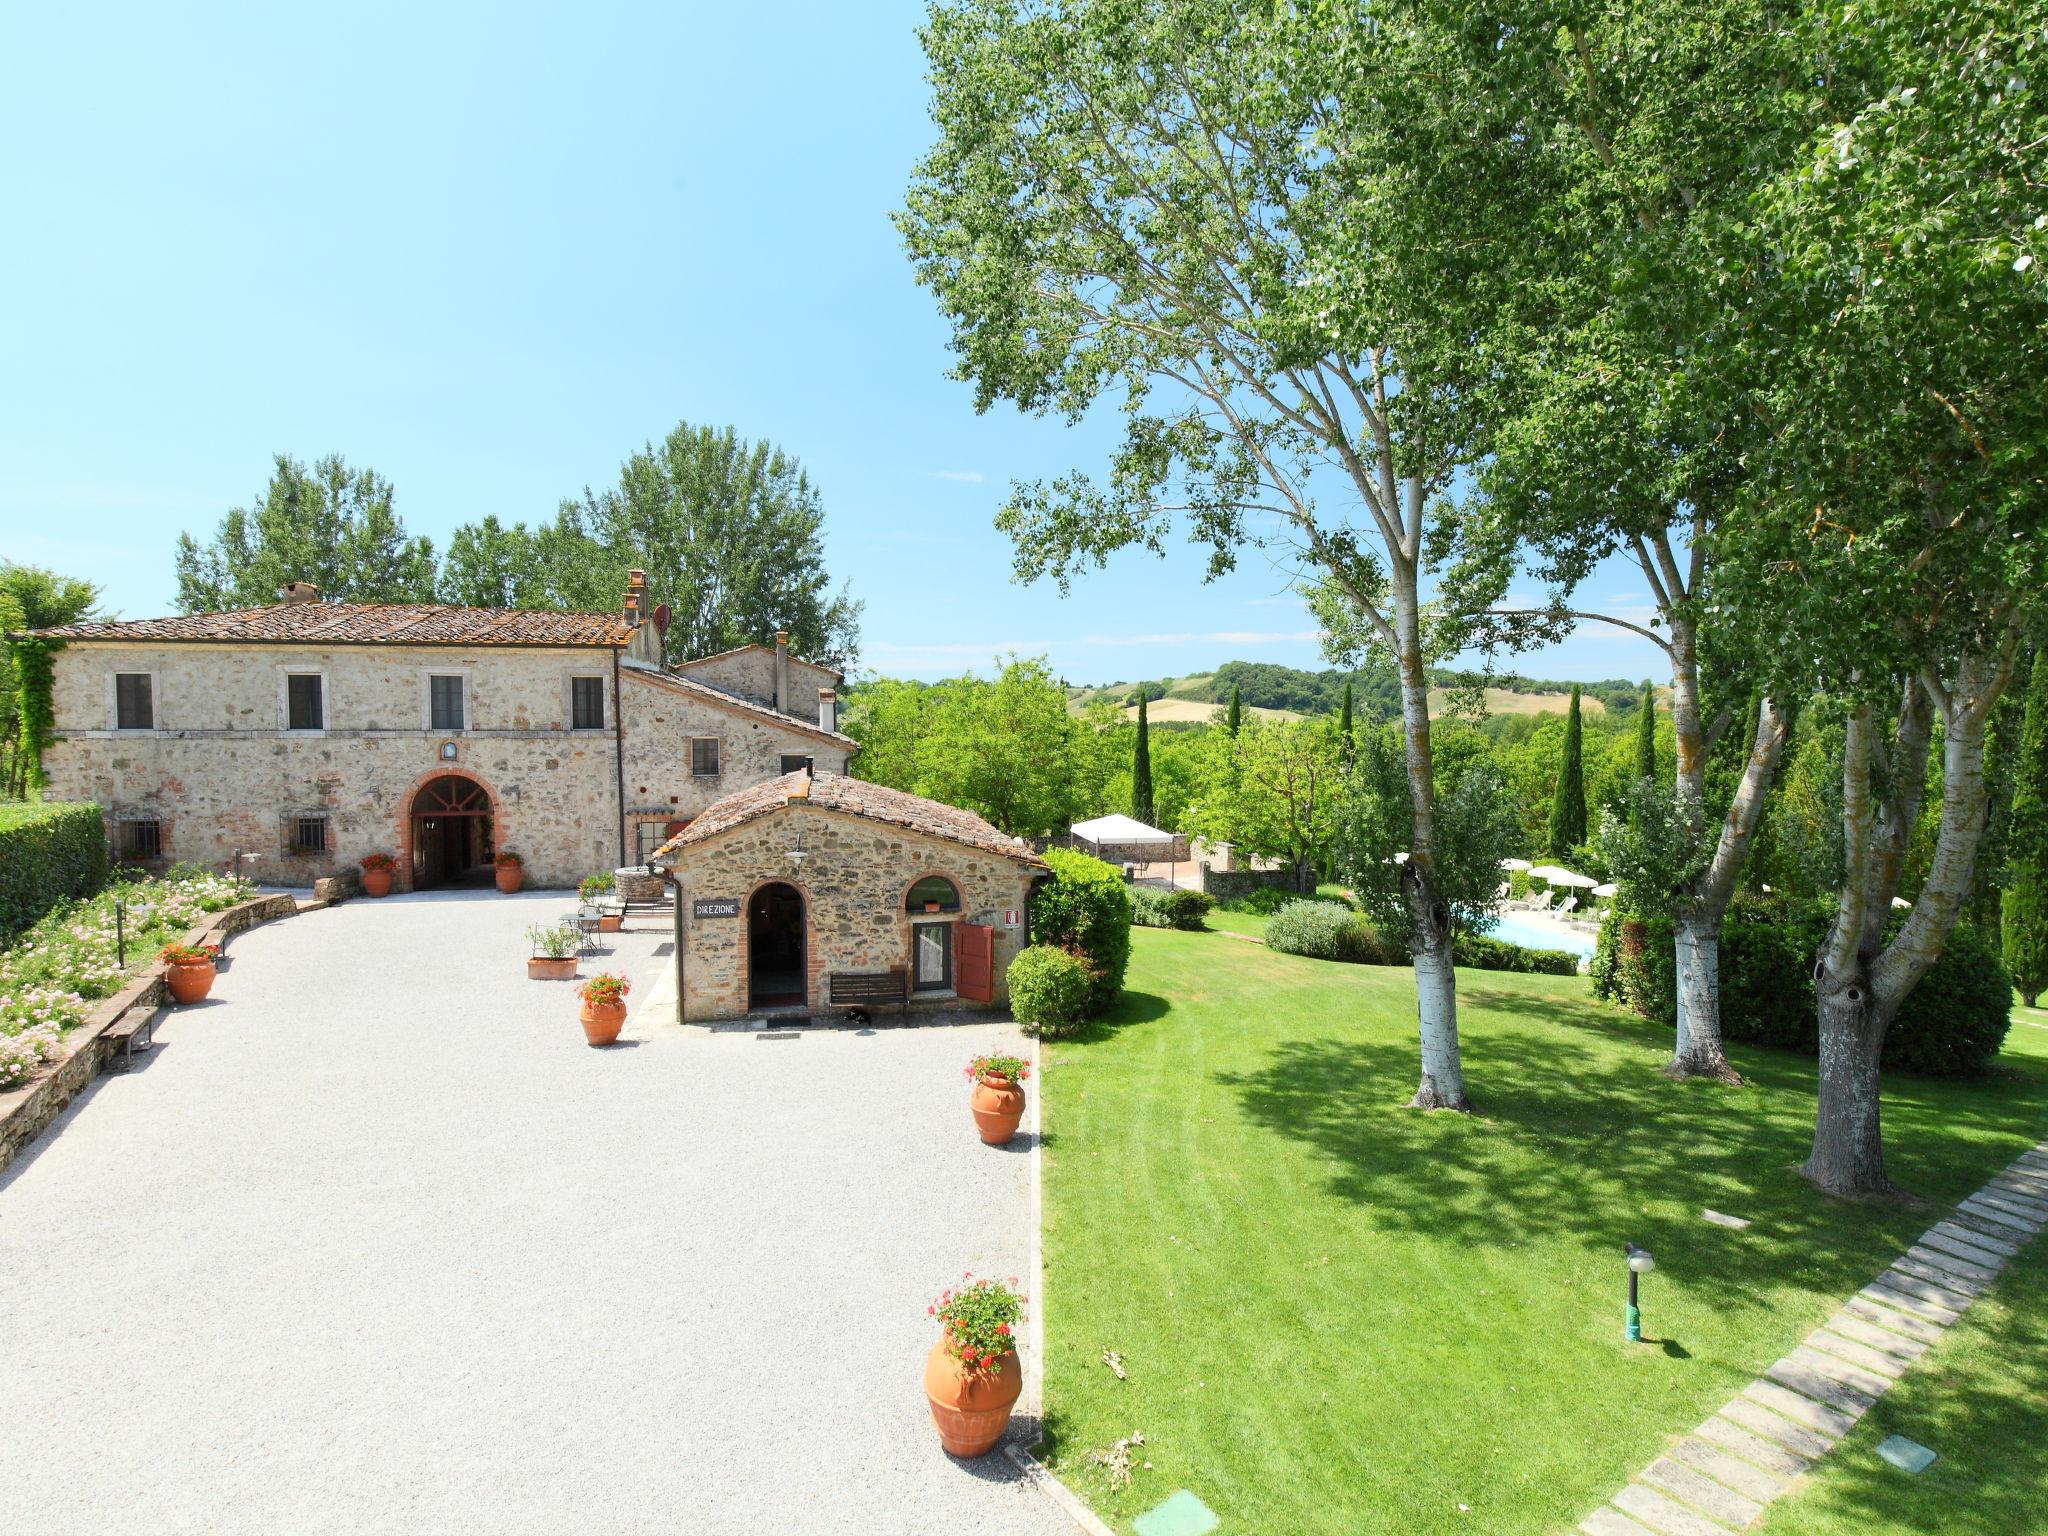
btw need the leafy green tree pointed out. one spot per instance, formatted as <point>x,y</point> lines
<point>30,598</point>
<point>1141,769</point>
<point>1646,733</point>
<point>1568,801</point>
<point>1189,205</point>
<point>1347,741</point>
<point>2024,914</point>
<point>330,525</point>
<point>1273,791</point>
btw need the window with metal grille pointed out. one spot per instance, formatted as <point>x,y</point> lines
<point>307,834</point>
<point>134,701</point>
<point>305,709</point>
<point>444,702</point>
<point>704,757</point>
<point>142,838</point>
<point>586,703</point>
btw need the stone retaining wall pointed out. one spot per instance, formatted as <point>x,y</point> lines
<point>27,1110</point>
<point>1229,884</point>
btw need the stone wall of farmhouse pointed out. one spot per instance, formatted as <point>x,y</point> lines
<point>855,876</point>
<point>219,771</point>
<point>750,673</point>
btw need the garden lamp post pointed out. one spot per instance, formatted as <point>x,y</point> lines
<point>1639,1263</point>
<point>143,913</point>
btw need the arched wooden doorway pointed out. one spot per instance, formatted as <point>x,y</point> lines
<point>451,837</point>
<point>775,948</point>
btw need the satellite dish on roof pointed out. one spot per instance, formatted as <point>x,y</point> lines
<point>661,618</point>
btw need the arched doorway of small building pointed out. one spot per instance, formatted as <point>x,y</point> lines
<point>450,833</point>
<point>775,947</point>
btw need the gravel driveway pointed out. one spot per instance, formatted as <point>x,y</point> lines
<point>374,1242</point>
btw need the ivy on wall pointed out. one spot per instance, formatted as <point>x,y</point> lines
<point>36,715</point>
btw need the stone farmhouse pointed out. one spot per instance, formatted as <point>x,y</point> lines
<point>306,734</point>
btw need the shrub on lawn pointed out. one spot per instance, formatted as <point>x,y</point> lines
<point>1324,930</point>
<point>1482,953</point>
<point>1050,990</point>
<point>49,854</point>
<point>1086,907</point>
<point>1169,909</point>
<point>1951,1025</point>
<point>1265,900</point>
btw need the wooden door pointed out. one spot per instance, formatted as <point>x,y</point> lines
<point>974,962</point>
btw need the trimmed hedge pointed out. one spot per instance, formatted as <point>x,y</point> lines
<point>50,852</point>
<point>1169,909</point>
<point>1479,952</point>
<point>1951,1025</point>
<point>1086,907</point>
<point>1049,990</point>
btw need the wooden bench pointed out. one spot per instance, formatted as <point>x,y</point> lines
<point>870,988</point>
<point>129,1035</point>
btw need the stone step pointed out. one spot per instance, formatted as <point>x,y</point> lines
<point>1955,1232</point>
<point>1753,1449</point>
<point>1927,1290</point>
<point>1690,1486</point>
<point>1893,1318</point>
<point>2006,1200</point>
<point>1752,1482</point>
<point>1947,1279</point>
<point>2022,1227</point>
<point>1662,1513</point>
<point>1883,1291</point>
<point>1807,1378</point>
<point>1822,1418</point>
<point>1952,1264</point>
<point>1747,1413</point>
<point>1961,1247</point>
<point>1608,1521</point>
<point>1871,1384</point>
<point>1875,1361</point>
<point>1883,1340</point>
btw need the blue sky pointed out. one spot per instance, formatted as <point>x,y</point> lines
<point>492,250</point>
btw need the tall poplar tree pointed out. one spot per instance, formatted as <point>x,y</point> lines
<point>1568,801</point>
<point>1346,742</point>
<point>2024,910</point>
<point>1646,733</point>
<point>1141,768</point>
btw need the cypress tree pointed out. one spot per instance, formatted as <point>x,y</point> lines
<point>1646,733</point>
<point>1345,743</point>
<point>1141,769</point>
<point>1568,804</point>
<point>2025,904</point>
<point>1236,717</point>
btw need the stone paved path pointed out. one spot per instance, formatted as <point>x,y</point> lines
<point>1719,1478</point>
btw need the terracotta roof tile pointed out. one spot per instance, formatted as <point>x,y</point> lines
<point>852,797</point>
<point>366,624</point>
<point>742,705</point>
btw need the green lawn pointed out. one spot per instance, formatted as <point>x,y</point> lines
<point>1337,1315</point>
<point>1239,922</point>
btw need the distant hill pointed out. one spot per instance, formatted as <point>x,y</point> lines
<point>1291,693</point>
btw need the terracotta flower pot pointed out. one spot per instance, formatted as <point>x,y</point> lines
<point>509,877</point>
<point>602,1021</point>
<point>189,983</point>
<point>998,1106</point>
<point>376,882</point>
<point>543,968</point>
<point>610,922</point>
<point>970,1409</point>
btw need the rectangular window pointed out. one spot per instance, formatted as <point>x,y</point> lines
<point>142,838</point>
<point>704,757</point>
<point>304,708</point>
<point>444,703</point>
<point>308,834</point>
<point>794,762</point>
<point>134,702</point>
<point>586,703</point>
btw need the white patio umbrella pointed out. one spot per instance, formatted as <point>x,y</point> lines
<point>1512,864</point>
<point>1557,874</point>
<point>1609,889</point>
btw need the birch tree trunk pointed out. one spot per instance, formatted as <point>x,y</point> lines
<point>1442,1085</point>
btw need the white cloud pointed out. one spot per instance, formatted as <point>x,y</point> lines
<point>964,476</point>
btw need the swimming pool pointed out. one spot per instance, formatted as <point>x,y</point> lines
<point>1515,928</point>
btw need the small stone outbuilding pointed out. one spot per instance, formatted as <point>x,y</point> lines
<point>816,891</point>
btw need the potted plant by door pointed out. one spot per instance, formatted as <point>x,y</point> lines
<point>377,869</point>
<point>511,870</point>
<point>997,1102</point>
<point>972,1377</point>
<point>604,1006</point>
<point>188,970</point>
<point>594,889</point>
<point>554,952</point>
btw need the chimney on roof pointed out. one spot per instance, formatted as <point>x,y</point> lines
<point>294,592</point>
<point>636,596</point>
<point>782,669</point>
<point>828,710</point>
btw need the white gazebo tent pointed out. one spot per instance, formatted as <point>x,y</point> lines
<point>1121,830</point>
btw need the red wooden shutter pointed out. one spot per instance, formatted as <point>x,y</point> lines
<point>974,962</point>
